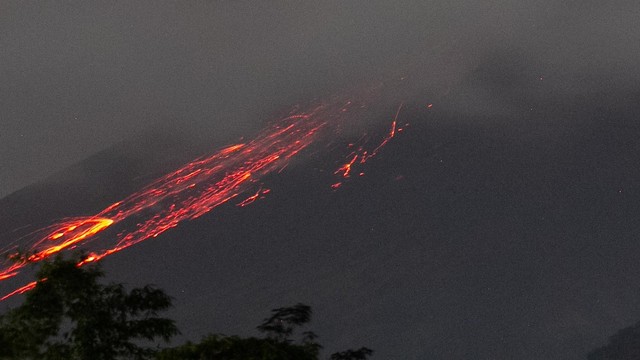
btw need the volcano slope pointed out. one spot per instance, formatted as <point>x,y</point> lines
<point>477,238</point>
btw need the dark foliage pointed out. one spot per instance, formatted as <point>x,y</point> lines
<point>278,345</point>
<point>221,347</point>
<point>283,320</point>
<point>361,354</point>
<point>70,315</point>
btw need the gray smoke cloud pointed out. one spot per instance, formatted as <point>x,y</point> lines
<point>80,76</point>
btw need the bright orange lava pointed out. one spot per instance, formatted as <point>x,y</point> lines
<point>192,190</point>
<point>71,235</point>
<point>64,235</point>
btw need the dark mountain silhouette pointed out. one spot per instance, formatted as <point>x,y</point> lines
<point>510,235</point>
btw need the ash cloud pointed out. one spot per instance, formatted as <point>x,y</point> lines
<point>79,77</point>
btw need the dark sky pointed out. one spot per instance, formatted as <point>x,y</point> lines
<point>512,233</point>
<point>80,76</point>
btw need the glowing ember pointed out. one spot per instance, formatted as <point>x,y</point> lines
<point>360,155</point>
<point>260,194</point>
<point>193,190</point>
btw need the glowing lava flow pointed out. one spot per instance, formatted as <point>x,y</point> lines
<point>64,235</point>
<point>189,192</point>
<point>71,233</point>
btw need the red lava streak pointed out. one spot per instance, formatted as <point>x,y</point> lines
<point>190,191</point>
<point>20,290</point>
<point>361,155</point>
<point>251,199</point>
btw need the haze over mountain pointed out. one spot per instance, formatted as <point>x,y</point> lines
<point>79,77</point>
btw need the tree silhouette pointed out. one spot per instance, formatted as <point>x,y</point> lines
<point>360,354</point>
<point>70,315</point>
<point>282,322</point>
<point>277,345</point>
<point>222,347</point>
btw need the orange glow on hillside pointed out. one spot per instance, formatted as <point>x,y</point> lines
<point>193,190</point>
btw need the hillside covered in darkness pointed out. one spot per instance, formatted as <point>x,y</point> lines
<point>484,230</point>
